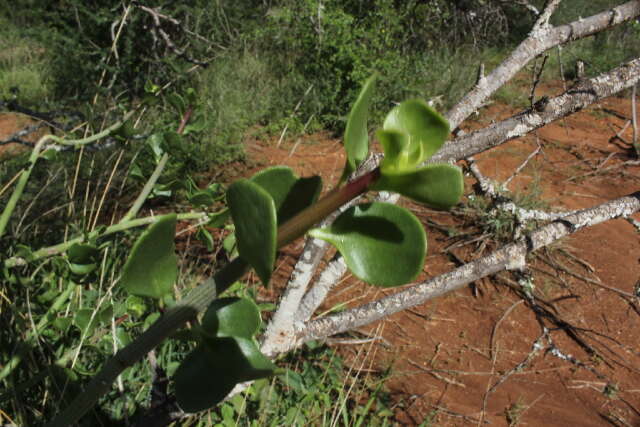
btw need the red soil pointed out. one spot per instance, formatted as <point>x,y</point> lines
<point>446,354</point>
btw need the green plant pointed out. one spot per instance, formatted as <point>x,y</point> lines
<point>269,210</point>
<point>514,412</point>
<point>23,65</point>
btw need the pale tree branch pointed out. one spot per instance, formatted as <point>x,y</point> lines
<point>539,40</point>
<point>280,332</point>
<point>576,98</point>
<point>543,19</point>
<point>509,257</point>
<point>579,97</point>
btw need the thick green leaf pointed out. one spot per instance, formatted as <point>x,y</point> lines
<point>356,137</point>
<point>232,317</point>
<point>82,253</point>
<point>201,198</point>
<point>382,244</point>
<point>290,193</point>
<point>396,153</point>
<point>439,186</point>
<point>427,130</point>
<point>205,237</point>
<point>254,216</point>
<point>211,371</point>
<point>82,269</point>
<point>152,267</point>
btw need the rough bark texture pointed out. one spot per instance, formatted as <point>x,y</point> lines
<point>296,308</point>
<point>541,38</point>
<point>509,257</point>
<point>574,99</point>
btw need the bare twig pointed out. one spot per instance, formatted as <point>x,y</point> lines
<point>634,121</point>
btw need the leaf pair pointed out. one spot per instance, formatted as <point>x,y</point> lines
<point>384,244</point>
<point>226,356</point>
<point>259,204</point>
<point>411,134</point>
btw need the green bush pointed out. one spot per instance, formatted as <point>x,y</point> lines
<point>23,66</point>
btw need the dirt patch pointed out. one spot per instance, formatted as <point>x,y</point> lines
<point>479,355</point>
<point>13,125</point>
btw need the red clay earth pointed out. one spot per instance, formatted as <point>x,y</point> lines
<point>447,354</point>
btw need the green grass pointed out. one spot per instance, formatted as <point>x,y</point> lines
<point>23,64</point>
<point>316,389</point>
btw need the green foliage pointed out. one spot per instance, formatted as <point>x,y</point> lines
<point>226,356</point>
<point>228,317</point>
<point>152,267</point>
<point>439,186</point>
<point>254,216</point>
<point>23,65</point>
<point>356,134</point>
<point>425,132</point>
<point>412,133</point>
<point>382,244</point>
<point>290,193</point>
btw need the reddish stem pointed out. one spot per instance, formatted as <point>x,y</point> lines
<point>303,221</point>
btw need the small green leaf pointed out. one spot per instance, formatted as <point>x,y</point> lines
<point>86,321</point>
<point>156,142</point>
<point>201,198</point>
<point>82,253</point>
<point>396,154</point>
<point>152,267</point>
<point>135,306</point>
<point>290,193</point>
<point>82,269</point>
<point>49,154</point>
<point>439,186</point>
<point>196,125</point>
<point>229,245</point>
<point>211,371</point>
<point>356,136</point>
<point>382,244</point>
<point>205,237</point>
<point>232,317</point>
<point>254,216</point>
<point>177,102</point>
<point>62,323</point>
<point>427,130</point>
<point>82,258</point>
<point>217,219</point>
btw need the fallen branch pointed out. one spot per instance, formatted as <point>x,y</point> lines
<point>509,257</point>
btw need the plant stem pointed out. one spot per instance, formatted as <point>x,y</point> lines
<point>33,158</point>
<point>121,226</point>
<point>200,298</point>
<point>59,301</point>
<point>135,208</point>
<point>303,221</point>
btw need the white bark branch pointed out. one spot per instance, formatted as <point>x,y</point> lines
<point>279,336</point>
<point>507,258</point>
<point>576,98</point>
<point>540,39</point>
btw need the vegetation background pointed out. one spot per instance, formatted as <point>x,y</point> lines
<point>258,68</point>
